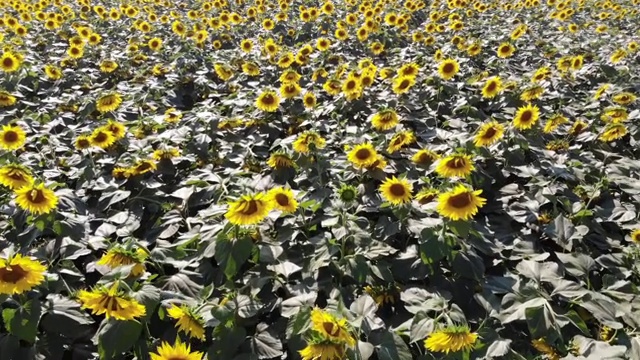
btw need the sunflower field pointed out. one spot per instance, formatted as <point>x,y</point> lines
<point>319,179</point>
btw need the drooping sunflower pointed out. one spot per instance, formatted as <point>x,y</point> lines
<point>460,203</point>
<point>553,123</point>
<point>109,102</point>
<point>36,199</point>
<point>331,328</point>
<point>102,138</point>
<point>52,72</point>
<point>143,166</point>
<point>280,160</point>
<point>179,351</point>
<point>624,98</point>
<point>402,84</point>
<point>396,191</point>
<point>540,74</point>
<point>451,339</point>
<point>492,87</point>
<point>15,176</point>
<point>323,350</point>
<point>526,117</point>
<point>249,209</point>
<point>121,256</point>
<point>505,50</point>
<point>251,69</point>
<point>189,322</point>
<point>577,127</point>
<point>12,137</point>
<point>10,62</point>
<point>426,195</point>
<point>460,165</point>
<point>6,99</point>
<point>362,155</point>
<point>165,154</point>
<point>616,114</point>
<point>544,348</point>
<point>172,115</point>
<point>488,133</point>
<point>400,140</point>
<point>425,157</point>
<point>448,68</point>
<point>613,131</point>
<point>308,139</point>
<point>385,120</point>
<point>532,93</point>
<point>111,302</point>
<point>283,199</point>
<point>19,274</point>
<point>268,101</point>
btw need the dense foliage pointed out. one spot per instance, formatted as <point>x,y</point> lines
<point>358,179</point>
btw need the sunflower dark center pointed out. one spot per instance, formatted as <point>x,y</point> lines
<point>404,84</point>
<point>526,116</point>
<point>268,99</point>
<point>7,62</point>
<point>363,154</point>
<point>309,100</point>
<point>460,201</point>
<point>37,196</point>
<point>16,175</point>
<point>331,328</point>
<point>448,68</point>
<point>10,136</point>
<point>143,167</point>
<point>250,208</point>
<point>397,190</point>
<point>505,49</point>
<point>489,133</point>
<point>427,198</point>
<point>282,199</point>
<point>492,86</point>
<point>456,163</point>
<point>12,274</point>
<point>351,85</point>
<point>101,137</point>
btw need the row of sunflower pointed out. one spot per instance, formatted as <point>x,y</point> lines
<point>319,180</point>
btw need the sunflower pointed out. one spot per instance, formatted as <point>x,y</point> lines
<point>532,93</point>
<point>249,209</point>
<point>108,66</point>
<point>165,154</point>
<point>396,191</point>
<point>526,117</point>
<point>143,167</point>
<point>402,84</point>
<point>306,139</point>
<point>246,45</point>
<point>577,127</point>
<point>117,129</point>
<point>331,328</point>
<point>6,99</point>
<point>577,62</point>
<point>540,74</point>
<point>323,44</point>
<point>460,203</point>
<point>283,199</point>
<point>425,157</point>
<point>155,44</point>
<point>323,350</point>
<point>613,131</point>
<point>362,155</point>
<point>505,50</point>
<point>268,100</point>
<point>624,98</point>
<point>448,68</point>
<point>351,88</point>
<point>53,72</point>
<point>600,91</point>
<point>19,274</point>
<point>10,62</point>
<point>120,256</point>
<point>15,176</point>
<point>107,103</point>
<point>451,339</point>
<point>410,69</point>
<point>460,165</point>
<point>250,69</point>
<point>553,123</point>
<point>426,195</point>
<point>400,140</point>
<point>488,133</point>
<point>111,302</point>
<point>179,351</point>
<point>544,348</point>
<point>615,115</point>
<point>223,71</point>
<point>492,87</point>
<point>280,160</point>
<point>290,76</point>
<point>82,142</point>
<point>12,137</point>
<point>189,322</point>
<point>290,90</point>
<point>635,236</point>
<point>102,137</point>
<point>385,120</point>
<point>36,199</point>
<point>309,100</point>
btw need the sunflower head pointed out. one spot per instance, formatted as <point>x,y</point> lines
<point>12,137</point>
<point>451,339</point>
<point>15,176</point>
<point>249,209</point>
<point>396,191</point>
<point>460,203</point>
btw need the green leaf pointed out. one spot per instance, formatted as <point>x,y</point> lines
<point>226,342</point>
<point>265,344</point>
<point>23,321</point>
<point>434,248</point>
<point>421,326</point>
<point>539,320</point>
<point>231,254</point>
<point>149,296</point>
<point>390,346</point>
<point>114,337</point>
